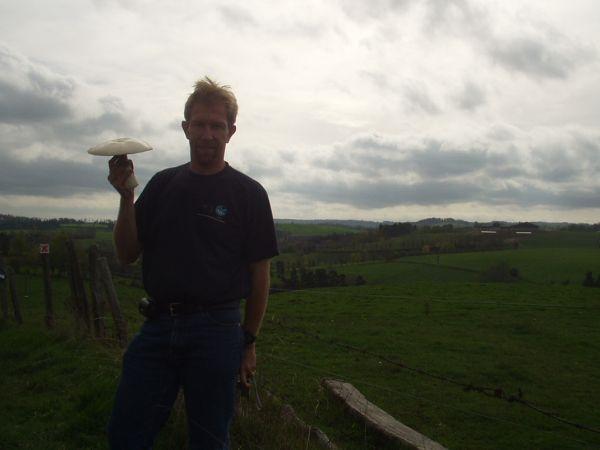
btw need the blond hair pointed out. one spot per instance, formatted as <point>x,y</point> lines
<point>208,91</point>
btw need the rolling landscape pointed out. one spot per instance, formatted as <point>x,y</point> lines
<point>477,340</point>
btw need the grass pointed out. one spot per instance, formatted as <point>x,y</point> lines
<point>58,386</point>
<point>541,265</point>
<point>455,331</point>
<point>301,229</point>
<point>538,336</point>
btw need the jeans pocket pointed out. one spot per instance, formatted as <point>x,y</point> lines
<point>229,318</point>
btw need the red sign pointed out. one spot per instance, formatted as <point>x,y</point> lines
<point>44,249</point>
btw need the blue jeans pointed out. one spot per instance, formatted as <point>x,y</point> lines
<point>200,353</point>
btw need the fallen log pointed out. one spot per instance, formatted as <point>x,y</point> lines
<point>377,418</point>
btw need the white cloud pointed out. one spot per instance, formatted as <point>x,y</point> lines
<point>395,107</point>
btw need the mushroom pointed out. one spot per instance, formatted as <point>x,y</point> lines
<point>121,146</point>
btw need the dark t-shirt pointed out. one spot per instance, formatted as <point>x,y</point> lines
<point>200,232</point>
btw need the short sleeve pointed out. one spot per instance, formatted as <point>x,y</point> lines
<point>261,240</point>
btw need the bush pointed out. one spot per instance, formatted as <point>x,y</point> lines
<point>500,273</point>
<point>588,281</point>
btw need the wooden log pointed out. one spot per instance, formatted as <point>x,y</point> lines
<point>47,291</point>
<point>4,290</point>
<point>377,418</point>
<point>96,294</point>
<point>12,284</point>
<point>113,301</point>
<point>78,286</point>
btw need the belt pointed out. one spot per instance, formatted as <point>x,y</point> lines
<point>182,309</point>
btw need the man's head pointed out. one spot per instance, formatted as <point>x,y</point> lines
<point>208,91</point>
<point>210,114</point>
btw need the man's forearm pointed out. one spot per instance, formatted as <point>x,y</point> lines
<point>256,303</point>
<point>125,232</point>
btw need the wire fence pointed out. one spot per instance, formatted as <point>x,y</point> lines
<point>447,406</point>
<point>494,392</point>
<point>467,302</point>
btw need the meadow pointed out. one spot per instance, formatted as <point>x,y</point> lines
<point>419,340</point>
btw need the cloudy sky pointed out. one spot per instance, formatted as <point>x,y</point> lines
<point>380,110</point>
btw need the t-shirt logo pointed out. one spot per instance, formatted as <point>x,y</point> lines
<point>221,211</point>
<point>217,213</point>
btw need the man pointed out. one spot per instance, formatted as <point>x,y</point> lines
<point>206,235</point>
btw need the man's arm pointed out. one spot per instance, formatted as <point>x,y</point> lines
<point>256,305</point>
<point>125,231</point>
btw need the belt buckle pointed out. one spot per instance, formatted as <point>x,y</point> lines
<point>172,307</point>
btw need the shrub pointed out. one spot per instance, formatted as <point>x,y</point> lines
<point>500,273</point>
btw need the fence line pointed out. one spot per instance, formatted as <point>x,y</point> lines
<point>418,397</point>
<point>438,300</point>
<point>491,392</point>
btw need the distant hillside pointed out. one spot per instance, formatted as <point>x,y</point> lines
<point>343,223</point>
<point>8,221</point>
<point>434,221</point>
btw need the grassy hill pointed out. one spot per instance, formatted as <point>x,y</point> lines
<point>411,340</point>
<point>304,229</point>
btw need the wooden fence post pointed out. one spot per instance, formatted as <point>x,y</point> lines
<point>47,290</point>
<point>4,289</point>
<point>113,301</point>
<point>96,294</point>
<point>77,286</point>
<point>14,295</point>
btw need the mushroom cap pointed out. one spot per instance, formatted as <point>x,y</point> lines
<point>120,146</point>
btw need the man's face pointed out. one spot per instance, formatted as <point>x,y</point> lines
<point>208,132</point>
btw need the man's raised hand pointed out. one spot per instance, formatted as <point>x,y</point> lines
<point>120,169</point>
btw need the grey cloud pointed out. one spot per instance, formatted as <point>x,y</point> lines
<point>237,17</point>
<point>528,195</point>
<point>501,133</point>
<point>533,57</point>
<point>371,195</point>
<point>29,93</point>
<point>457,17</point>
<point>536,50</point>
<point>359,10</point>
<point>38,105</point>
<point>92,126</point>
<point>418,99</point>
<point>390,172</point>
<point>22,106</point>
<point>56,178</point>
<point>471,97</point>
<point>506,171</point>
<point>49,177</point>
<point>560,164</point>
<point>261,171</point>
<point>379,79</point>
<point>427,158</point>
<point>433,162</point>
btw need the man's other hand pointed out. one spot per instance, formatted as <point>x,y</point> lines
<point>248,367</point>
<point>120,169</point>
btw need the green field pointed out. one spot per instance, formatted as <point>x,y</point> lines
<point>537,336</point>
<point>304,229</point>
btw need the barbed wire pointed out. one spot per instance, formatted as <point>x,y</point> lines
<point>436,300</point>
<point>492,392</point>
<point>418,397</point>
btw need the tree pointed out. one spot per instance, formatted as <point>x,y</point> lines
<point>589,280</point>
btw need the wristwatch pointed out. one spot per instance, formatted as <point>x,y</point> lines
<point>249,338</point>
